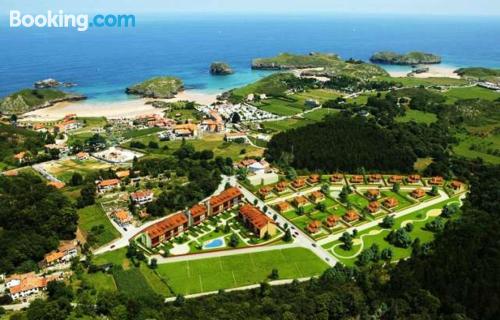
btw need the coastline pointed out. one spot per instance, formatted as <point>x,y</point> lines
<point>435,71</point>
<point>126,109</point>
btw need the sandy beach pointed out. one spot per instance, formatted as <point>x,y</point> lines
<point>435,71</point>
<point>112,110</point>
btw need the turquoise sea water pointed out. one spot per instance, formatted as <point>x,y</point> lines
<point>104,61</point>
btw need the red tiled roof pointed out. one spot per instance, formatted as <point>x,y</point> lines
<point>283,206</point>
<point>256,217</point>
<point>198,210</point>
<point>56,184</point>
<point>351,215</point>
<point>391,202</point>
<point>109,182</point>
<point>174,221</point>
<point>141,194</point>
<point>225,196</point>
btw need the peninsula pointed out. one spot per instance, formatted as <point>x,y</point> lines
<point>410,58</point>
<point>160,87</point>
<point>32,99</point>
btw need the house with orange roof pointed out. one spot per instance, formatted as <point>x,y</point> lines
<point>197,214</point>
<point>414,178</point>
<point>418,193</point>
<point>313,179</point>
<point>21,157</point>
<point>283,207</point>
<point>456,185</point>
<point>351,216</point>
<point>257,221</point>
<point>225,200</point>
<point>298,183</point>
<point>300,201</point>
<point>66,251</point>
<point>373,206</point>
<point>436,181</point>
<point>374,178</point>
<point>317,196</point>
<point>141,197</point>
<point>336,177</point>
<point>122,174</point>
<point>25,285</point>
<point>187,130</point>
<point>122,217</point>
<point>107,185</point>
<point>356,179</point>
<point>56,184</point>
<point>281,186</point>
<point>314,227</point>
<point>82,156</point>
<point>372,194</point>
<point>332,221</point>
<point>391,202</point>
<point>164,230</point>
<point>265,192</point>
<point>395,179</point>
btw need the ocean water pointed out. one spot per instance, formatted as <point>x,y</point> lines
<point>105,61</point>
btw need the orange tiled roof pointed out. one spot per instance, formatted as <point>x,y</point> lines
<point>198,210</point>
<point>283,206</point>
<point>300,200</point>
<point>225,196</point>
<point>351,215</point>
<point>391,202</point>
<point>436,180</point>
<point>172,222</point>
<point>317,195</point>
<point>356,178</point>
<point>56,184</point>
<point>395,178</point>
<point>455,184</point>
<point>109,182</point>
<point>373,192</point>
<point>418,193</point>
<point>373,206</point>
<point>256,217</point>
<point>141,194</point>
<point>336,177</point>
<point>122,173</point>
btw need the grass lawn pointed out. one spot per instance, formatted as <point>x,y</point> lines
<point>282,125</point>
<point>403,202</point>
<point>94,216</point>
<point>130,134</point>
<point>319,114</point>
<point>418,116</point>
<point>132,282</point>
<point>64,169</point>
<point>428,82</point>
<point>483,144</point>
<point>212,274</point>
<point>358,201</point>
<point>471,93</point>
<point>101,281</point>
<point>376,235</point>
<point>115,257</point>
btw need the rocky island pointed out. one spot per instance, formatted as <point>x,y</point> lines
<point>160,87</point>
<point>326,64</point>
<point>32,99</point>
<point>52,83</point>
<point>220,69</point>
<point>410,58</point>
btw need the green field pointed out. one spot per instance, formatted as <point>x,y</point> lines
<point>418,116</point>
<point>428,82</point>
<point>94,216</point>
<point>100,281</point>
<point>212,274</point>
<point>376,235</point>
<point>132,282</point>
<point>491,142</point>
<point>319,114</point>
<point>282,125</point>
<point>64,169</point>
<point>471,93</point>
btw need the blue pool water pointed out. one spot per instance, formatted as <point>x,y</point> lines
<point>216,243</point>
<point>104,61</point>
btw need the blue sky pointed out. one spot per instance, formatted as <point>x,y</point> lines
<point>427,7</point>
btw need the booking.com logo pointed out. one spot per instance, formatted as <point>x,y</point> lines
<point>81,22</point>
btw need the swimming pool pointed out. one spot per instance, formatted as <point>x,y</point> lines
<point>215,243</point>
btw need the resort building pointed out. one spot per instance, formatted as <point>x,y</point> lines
<point>414,178</point>
<point>257,221</point>
<point>298,183</point>
<point>257,168</point>
<point>300,201</point>
<point>214,123</point>
<point>188,130</point>
<point>317,196</point>
<point>456,185</point>
<point>314,227</point>
<point>281,186</point>
<point>418,193</point>
<point>197,214</point>
<point>164,230</point>
<point>313,179</point>
<point>141,197</point>
<point>332,221</point>
<point>373,207</point>
<point>66,251</point>
<point>351,216</point>
<point>356,179</point>
<point>283,207</point>
<point>436,181</point>
<point>56,184</point>
<point>82,156</point>
<point>336,177</point>
<point>225,200</point>
<point>67,125</point>
<point>264,192</point>
<point>107,185</point>
<point>372,194</point>
<point>391,203</point>
<point>374,178</point>
<point>395,179</point>
<point>122,217</point>
<point>24,285</point>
